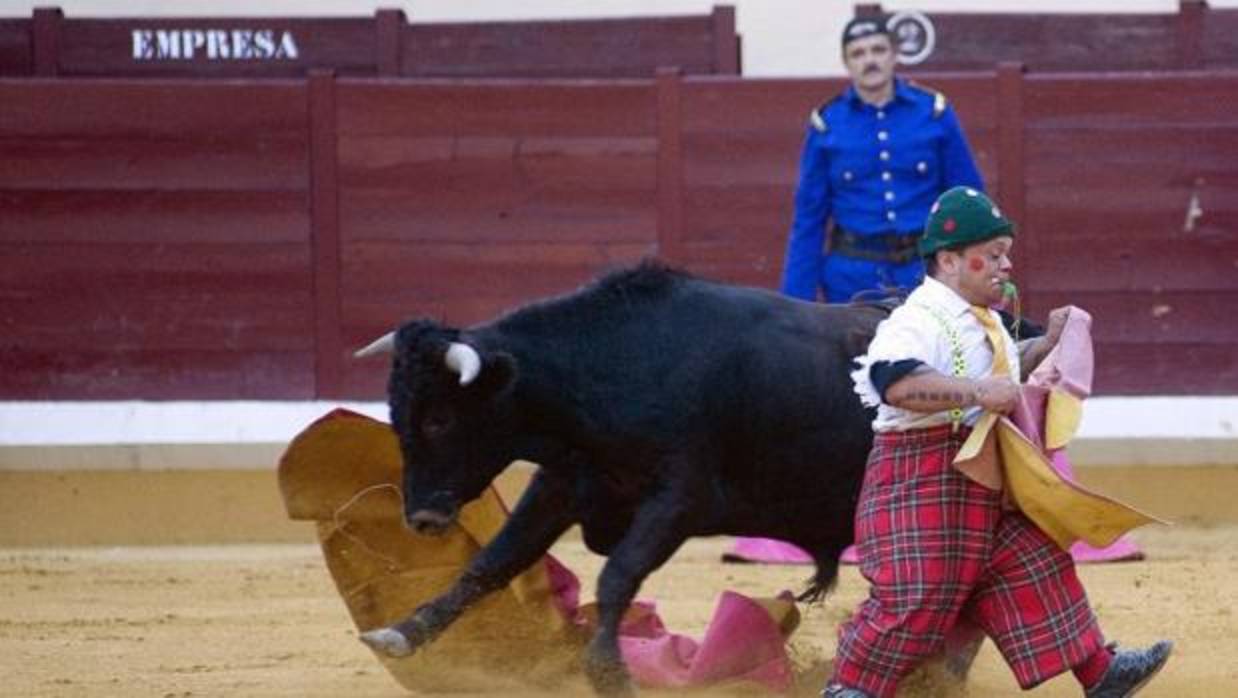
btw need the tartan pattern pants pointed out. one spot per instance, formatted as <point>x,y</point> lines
<point>938,547</point>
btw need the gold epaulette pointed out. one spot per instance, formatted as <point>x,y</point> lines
<point>818,121</point>
<point>939,100</point>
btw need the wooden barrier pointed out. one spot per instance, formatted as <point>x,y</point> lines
<point>155,239</point>
<point>235,239</point>
<point>49,44</point>
<point>16,52</point>
<point>1196,37</point>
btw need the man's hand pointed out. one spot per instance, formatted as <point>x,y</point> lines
<point>997,394</point>
<point>1033,351</point>
<point>1057,323</point>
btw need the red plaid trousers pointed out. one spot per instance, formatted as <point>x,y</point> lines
<point>938,547</point>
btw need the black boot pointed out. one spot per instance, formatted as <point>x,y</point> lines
<point>1129,670</point>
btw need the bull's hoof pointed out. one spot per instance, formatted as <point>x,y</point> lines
<point>610,679</point>
<point>387,641</point>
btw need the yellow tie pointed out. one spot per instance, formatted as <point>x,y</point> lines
<point>1001,366</point>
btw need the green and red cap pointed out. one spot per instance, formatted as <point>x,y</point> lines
<point>962,216</point>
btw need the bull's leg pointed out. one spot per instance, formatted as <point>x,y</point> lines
<point>542,515</point>
<point>962,645</point>
<point>657,531</point>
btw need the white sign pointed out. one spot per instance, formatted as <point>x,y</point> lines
<point>213,45</point>
<point>913,35</point>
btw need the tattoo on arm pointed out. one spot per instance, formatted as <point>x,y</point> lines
<point>944,393</point>
<point>954,396</point>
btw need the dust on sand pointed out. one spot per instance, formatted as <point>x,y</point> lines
<point>265,620</point>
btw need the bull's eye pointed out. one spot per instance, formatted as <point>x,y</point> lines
<point>436,424</point>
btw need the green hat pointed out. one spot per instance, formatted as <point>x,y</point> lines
<point>962,216</point>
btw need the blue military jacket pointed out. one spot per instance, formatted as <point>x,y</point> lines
<point>875,171</point>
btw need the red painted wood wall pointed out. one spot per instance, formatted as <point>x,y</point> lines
<point>1195,37</point>
<point>155,240</point>
<point>208,239</point>
<point>16,51</point>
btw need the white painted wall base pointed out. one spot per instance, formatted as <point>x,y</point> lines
<point>138,435</point>
<point>1157,431</point>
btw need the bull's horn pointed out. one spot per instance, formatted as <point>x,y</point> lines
<point>464,360</point>
<point>383,345</point>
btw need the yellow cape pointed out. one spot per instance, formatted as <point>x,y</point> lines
<point>998,454</point>
<point>343,472</point>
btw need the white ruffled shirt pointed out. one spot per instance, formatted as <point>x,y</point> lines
<point>913,332</point>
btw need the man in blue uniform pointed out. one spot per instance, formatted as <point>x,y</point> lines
<point>875,159</point>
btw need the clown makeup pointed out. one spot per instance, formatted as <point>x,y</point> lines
<point>984,271</point>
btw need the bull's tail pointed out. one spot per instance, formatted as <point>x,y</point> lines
<point>822,582</point>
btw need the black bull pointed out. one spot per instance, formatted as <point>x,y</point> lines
<point>659,407</point>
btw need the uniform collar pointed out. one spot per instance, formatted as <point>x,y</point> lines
<point>902,92</point>
<point>935,293</point>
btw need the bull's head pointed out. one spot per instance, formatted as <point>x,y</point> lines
<point>451,409</point>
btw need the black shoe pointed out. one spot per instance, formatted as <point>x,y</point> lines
<point>1129,670</point>
<point>838,691</point>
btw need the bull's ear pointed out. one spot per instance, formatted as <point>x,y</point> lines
<point>498,375</point>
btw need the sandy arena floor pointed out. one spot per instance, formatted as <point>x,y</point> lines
<point>251,620</point>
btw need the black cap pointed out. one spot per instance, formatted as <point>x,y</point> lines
<point>861,27</point>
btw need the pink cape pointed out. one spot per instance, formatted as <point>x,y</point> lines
<point>742,643</point>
